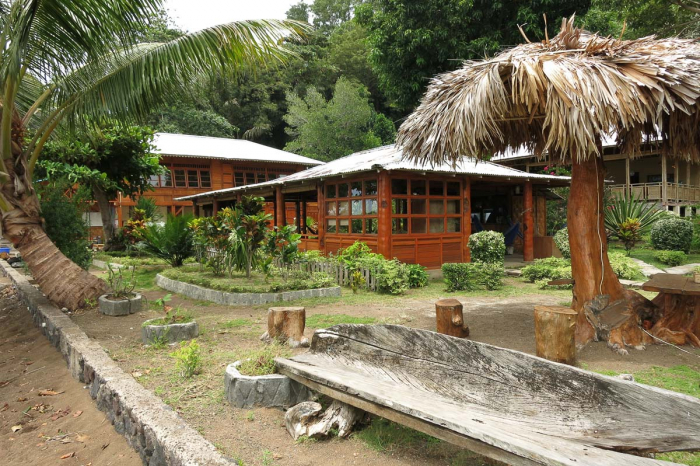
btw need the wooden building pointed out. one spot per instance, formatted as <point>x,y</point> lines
<point>418,214</point>
<point>198,164</point>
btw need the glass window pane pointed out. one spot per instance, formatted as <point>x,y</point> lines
<point>250,178</point>
<point>399,206</point>
<point>260,177</point>
<point>153,180</point>
<point>205,178</point>
<point>192,178</point>
<point>437,207</point>
<point>343,225</point>
<point>331,226</point>
<point>418,187</point>
<point>371,188</point>
<point>453,206</point>
<point>399,186</point>
<point>343,190</point>
<point>331,209</point>
<point>370,207</point>
<point>343,208</point>
<point>356,189</point>
<point>371,226</point>
<point>418,207</point>
<point>437,225</point>
<point>453,224</point>
<point>453,188</point>
<point>180,180</point>
<point>437,188</point>
<point>166,179</point>
<point>330,191</point>
<point>419,225</point>
<point>399,225</point>
<point>357,207</point>
<point>357,225</point>
<point>240,179</point>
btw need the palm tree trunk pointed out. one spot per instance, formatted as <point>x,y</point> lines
<point>107,216</point>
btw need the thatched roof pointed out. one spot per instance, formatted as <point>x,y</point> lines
<point>559,97</point>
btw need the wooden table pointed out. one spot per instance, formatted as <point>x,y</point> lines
<point>679,300</point>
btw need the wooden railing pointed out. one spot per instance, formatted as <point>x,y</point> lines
<point>341,273</point>
<point>675,192</point>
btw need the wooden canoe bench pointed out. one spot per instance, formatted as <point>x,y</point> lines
<point>504,404</point>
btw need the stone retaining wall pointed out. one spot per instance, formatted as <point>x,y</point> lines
<point>103,265</point>
<point>150,426</point>
<point>240,299</point>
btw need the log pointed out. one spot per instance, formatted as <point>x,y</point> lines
<point>555,333</point>
<point>305,419</point>
<point>450,319</point>
<point>286,325</point>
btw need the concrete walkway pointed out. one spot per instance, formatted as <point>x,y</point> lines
<point>682,269</point>
<point>647,269</point>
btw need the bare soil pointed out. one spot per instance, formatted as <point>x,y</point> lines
<point>46,416</point>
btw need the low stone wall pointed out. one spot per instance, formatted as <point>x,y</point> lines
<point>103,265</point>
<point>269,391</point>
<point>150,426</point>
<point>240,299</point>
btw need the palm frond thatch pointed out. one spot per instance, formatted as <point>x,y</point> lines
<point>559,97</point>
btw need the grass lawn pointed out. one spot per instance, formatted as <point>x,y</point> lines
<point>130,261</point>
<point>644,252</point>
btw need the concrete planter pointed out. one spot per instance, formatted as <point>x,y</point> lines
<point>268,391</point>
<point>171,333</point>
<point>120,307</point>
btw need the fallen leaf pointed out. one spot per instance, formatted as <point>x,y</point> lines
<point>68,455</point>
<point>5,407</point>
<point>16,428</point>
<point>3,383</point>
<point>105,446</point>
<point>81,438</point>
<point>148,371</point>
<point>77,413</point>
<point>22,399</point>
<point>29,363</point>
<point>136,374</point>
<point>48,393</point>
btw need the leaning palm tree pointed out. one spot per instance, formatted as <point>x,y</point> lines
<point>558,98</point>
<point>64,63</point>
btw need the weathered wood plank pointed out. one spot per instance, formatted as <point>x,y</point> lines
<point>501,401</point>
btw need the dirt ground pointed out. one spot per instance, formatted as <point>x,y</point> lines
<point>258,436</point>
<point>46,416</point>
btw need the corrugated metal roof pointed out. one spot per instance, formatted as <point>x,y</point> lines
<point>522,152</point>
<point>386,158</point>
<point>187,145</point>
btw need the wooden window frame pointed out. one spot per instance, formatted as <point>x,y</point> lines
<point>427,197</point>
<point>362,198</point>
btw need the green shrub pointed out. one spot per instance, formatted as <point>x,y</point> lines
<point>672,258</point>
<point>561,240</point>
<point>621,209</point>
<point>623,266</point>
<point>261,361</point>
<point>188,359</point>
<point>417,275</point>
<point>392,277</point>
<point>472,276</point>
<point>551,268</point>
<point>672,234</point>
<point>488,247</point>
<point>172,241</point>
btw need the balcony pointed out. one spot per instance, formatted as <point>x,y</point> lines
<point>676,193</point>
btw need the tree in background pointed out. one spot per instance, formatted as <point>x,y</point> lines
<point>413,41</point>
<point>640,18</point>
<point>110,161</point>
<point>327,130</point>
<point>192,117</point>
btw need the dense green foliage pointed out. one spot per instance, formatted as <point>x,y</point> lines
<point>64,222</point>
<point>561,240</point>
<point>188,358</point>
<point>473,276</point>
<point>488,247</point>
<point>542,271</point>
<point>172,241</point>
<point>672,234</point>
<point>417,275</point>
<point>671,258</point>
<point>620,210</point>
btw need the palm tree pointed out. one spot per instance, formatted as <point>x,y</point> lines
<point>64,63</point>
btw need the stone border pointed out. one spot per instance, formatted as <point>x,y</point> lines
<point>240,299</point>
<point>172,333</point>
<point>268,391</point>
<point>103,265</point>
<point>150,426</point>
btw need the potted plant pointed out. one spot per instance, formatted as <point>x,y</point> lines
<point>122,300</point>
<point>175,326</point>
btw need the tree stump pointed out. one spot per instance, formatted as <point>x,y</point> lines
<point>555,333</point>
<point>450,320</point>
<point>305,419</point>
<point>286,325</point>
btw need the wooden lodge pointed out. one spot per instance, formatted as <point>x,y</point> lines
<point>418,214</point>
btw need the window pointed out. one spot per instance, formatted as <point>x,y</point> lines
<point>205,178</point>
<point>250,178</point>
<point>166,179</point>
<point>190,178</point>
<point>425,206</point>
<point>351,208</point>
<point>239,178</point>
<point>180,180</point>
<point>154,180</point>
<point>193,178</point>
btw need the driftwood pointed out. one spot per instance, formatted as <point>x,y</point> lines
<point>286,325</point>
<point>500,403</point>
<point>449,318</point>
<point>555,337</point>
<point>305,419</point>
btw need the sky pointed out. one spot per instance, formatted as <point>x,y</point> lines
<point>193,15</point>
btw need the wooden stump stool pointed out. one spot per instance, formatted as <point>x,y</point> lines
<point>450,320</point>
<point>286,325</point>
<point>555,330</point>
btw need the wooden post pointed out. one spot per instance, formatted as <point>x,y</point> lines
<point>280,212</point>
<point>466,219</point>
<point>676,183</point>
<point>555,333</point>
<point>664,182</point>
<point>449,318</point>
<point>297,214</point>
<point>195,207</point>
<point>303,214</point>
<point>321,200</point>
<point>384,216</point>
<point>528,220</point>
<point>215,206</point>
<point>286,325</point>
<point>627,176</point>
